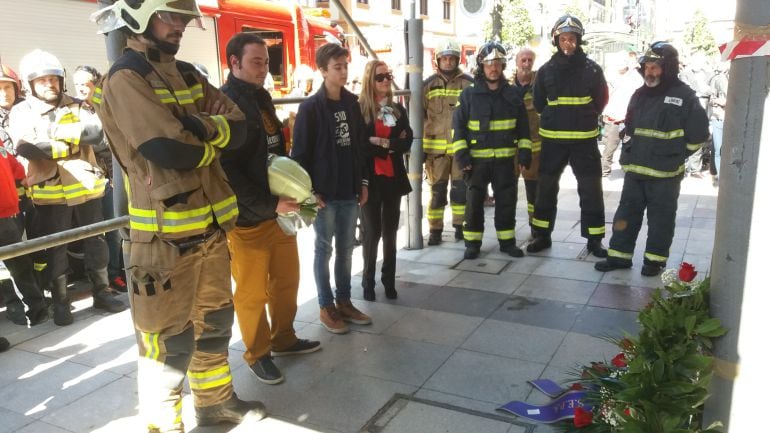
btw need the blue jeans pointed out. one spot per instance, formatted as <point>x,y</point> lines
<point>717,129</point>
<point>338,220</point>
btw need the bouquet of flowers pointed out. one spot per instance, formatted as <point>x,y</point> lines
<point>659,380</point>
<point>288,179</point>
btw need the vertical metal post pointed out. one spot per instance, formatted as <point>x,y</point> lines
<point>739,294</point>
<point>415,157</point>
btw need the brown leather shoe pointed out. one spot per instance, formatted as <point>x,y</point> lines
<point>351,314</point>
<point>332,320</point>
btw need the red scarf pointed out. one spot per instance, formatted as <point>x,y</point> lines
<point>383,166</point>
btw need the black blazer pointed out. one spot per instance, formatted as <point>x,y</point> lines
<point>398,147</point>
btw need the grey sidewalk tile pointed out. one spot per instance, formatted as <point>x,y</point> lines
<point>601,322</point>
<point>417,417</point>
<point>118,399</point>
<point>344,401</point>
<point>504,283</point>
<point>570,269</point>
<point>436,327</point>
<point>557,289</point>
<point>483,265</point>
<point>631,277</point>
<point>463,301</point>
<point>436,275</point>
<point>538,312</point>
<point>41,427</point>
<point>580,349</point>
<point>383,315</point>
<point>39,385</point>
<point>390,358</point>
<point>699,247</point>
<point>525,265</point>
<point>448,253</point>
<point>708,223</point>
<point>514,340</point>
<point>12,421</point>
<point>484,377</point>
<point>620,297</point>
<point>460,401</point>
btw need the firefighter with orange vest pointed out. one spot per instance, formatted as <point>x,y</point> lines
<point>167,126</point>
<point>55,134</point>
<point>441,93</point>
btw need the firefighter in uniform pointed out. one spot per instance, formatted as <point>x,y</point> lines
<point>55,134</point>
<point>570,93</point>
<point>166,126</point>
<point>523,80</point>
<point>665,124</point>
<point>441,92</point>
<point>489,124</point>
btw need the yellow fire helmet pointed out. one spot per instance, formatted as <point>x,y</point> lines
<point>288,179</point>
<point>135,14</point>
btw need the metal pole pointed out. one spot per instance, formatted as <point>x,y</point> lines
<point>414,158</point>
<point>65,237</point>
<point>353,26</point>
<point>739,292</point>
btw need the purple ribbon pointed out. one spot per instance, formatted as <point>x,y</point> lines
<point>561,408</point>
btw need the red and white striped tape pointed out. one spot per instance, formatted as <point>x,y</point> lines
<point>745,48</point>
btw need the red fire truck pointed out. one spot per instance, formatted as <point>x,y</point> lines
<point>63,28</point>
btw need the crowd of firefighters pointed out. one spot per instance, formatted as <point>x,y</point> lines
<point>200,205</point>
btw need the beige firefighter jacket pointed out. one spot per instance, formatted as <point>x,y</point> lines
<point>440,96</point>
<point>152,107</point>
<point>56,145</point>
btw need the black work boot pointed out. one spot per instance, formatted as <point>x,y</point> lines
<point>610,265</point>
<point>435,237</point>
<point>512,250</point>
<point>652,270</point>
<point>14,308</point>
<point>233,411</point>
<point>62,315</point>
<point>540,243</point>
<point>596,248</point>
<point>103,300</point>
<point>472,252</point>
<point>458,232</point>
<point>38,313</point>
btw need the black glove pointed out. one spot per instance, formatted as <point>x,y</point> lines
<point>195,126</point>
<point>525,158</point>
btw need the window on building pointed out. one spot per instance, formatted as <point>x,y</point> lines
<point>447,10</point>
<point>395,5</point>
<point>424,7</point>
<point>362,2</point>
<point>275,49</point>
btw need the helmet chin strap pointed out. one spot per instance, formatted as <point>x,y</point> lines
<point>163,46</point>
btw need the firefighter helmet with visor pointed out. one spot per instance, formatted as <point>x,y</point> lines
<point>447,47</point>
<point>490,52</point>
<point>39,63</point>
<point>664,54</point>
<point>8,75</point>
<point>135,15</point>
<point>567,24</point>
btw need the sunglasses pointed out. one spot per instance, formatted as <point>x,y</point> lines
<point>381,77</point>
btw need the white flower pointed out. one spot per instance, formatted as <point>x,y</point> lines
<point>669,277</point>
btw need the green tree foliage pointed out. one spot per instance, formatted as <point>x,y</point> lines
<point>698,37</point>
<point>516,28</point>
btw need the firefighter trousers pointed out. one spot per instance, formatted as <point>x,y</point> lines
<point>500,173</point>
<point>441,169</point>
<point>265,266</point>
<point>182,306</point>
<point>55,218</point>
<point>585,161</point>
<point>659,197</point>
<point>20,267</point>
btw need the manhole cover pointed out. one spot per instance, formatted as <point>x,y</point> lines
<point>486,266</point>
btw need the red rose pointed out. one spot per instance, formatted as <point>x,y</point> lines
<point>619,360</point>
<point>687,272</point>
<point>576,386</point>
<point>582,417</point>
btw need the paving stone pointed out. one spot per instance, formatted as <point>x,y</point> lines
<point>571,269</point>
<point>601,322</point>
<point>631,277</point>
<point>463,301</point>
<point>484,377</point>
<point>437,327</point>
<point>514,340</point>
<point>489,283</point>
<point>463,402</point>
<point>620,297</point>
<point>12,421</point>
<point>538,312</point>
<point>436,275</point>
<point>483,265</point>
<point>41,427</point>
<point>580,349</point>
<point>119,399</point>
<point>556,289</point>
<point>418,417</point>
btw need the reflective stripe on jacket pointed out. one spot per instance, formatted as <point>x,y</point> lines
<point>665,126</point>
<point>440,96</point>
<point>489,124</point>
<point>570,93</point>
<point>152,107</point>
<point>57,143</point>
